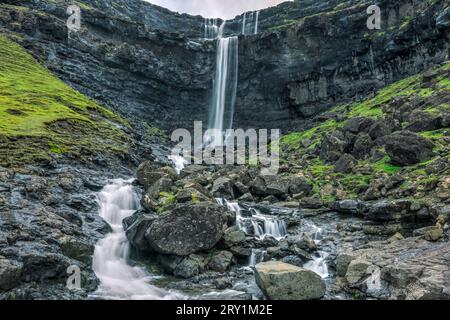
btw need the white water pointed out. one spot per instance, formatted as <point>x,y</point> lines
<point>253,20</point>
<point>119,280</point>
<point>256,22</point>
<point>318,264</point>
<point>178,162</point>
<point>221,109</point>
<point>244,23</point>
<point>262,225</point>
<point>211,28</point>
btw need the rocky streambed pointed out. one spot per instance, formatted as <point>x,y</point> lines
<point>197,236</point>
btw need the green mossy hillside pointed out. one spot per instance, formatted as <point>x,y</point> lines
<point>42,118</point>
<point>408,102</point>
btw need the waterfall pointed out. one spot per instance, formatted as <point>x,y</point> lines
<point>119,280</point>
<point>252,18</point>
<point>318,264</point>
<point>225,83</point>
<point>261,225</point>
<point>178,162</point>
<point>244,21</point>
<point>211,28</point>
<point>256,22</point>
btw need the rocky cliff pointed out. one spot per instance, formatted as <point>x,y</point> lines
<point>149,63</point>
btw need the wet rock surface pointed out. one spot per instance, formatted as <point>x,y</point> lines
<point>48,222</point>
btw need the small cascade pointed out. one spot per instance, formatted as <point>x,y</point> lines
<point>178,162</point>
<point>256,224</point>
<point>211,28</point>
<point>256,257</point>
<point>256,22</point>
<point>118,279</point>
<point>318,264</point>
<point>250,22</point>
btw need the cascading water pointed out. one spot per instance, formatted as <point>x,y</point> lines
<point>221,110</point>
<point>318,264</point>
<point>252,20</point>
<point>119,280</point>
<point>256,22</point>
<point>211,28</point>
<point>178,162</point>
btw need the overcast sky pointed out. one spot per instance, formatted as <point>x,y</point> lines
<point>215,8</point>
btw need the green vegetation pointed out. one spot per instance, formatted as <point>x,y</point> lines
<point>384,166</point>
<point>301,150</point>
<point>41,115</point>
<point>165,200</point>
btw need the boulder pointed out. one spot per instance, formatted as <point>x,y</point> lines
<point>358,124</point>
<point>233,236</point>
<point>345,164</point>
<point>348,206</point>
<point>190,267</point>
<point>136,227</point>
<point>282,281</point>
<point>10,273</point>
<point>161,185</point>
<point>146,173</point>
<point>433,233</point>
<point>223,188</point>
<point>192,169</point>
<point>311,203</point>
<point>221,261</point>
<point>191,194</point>
<point>407,148</point>
<point>298,185</point>
<point>333,146</point>
<point>362,147</point>
<point>269,185</point>
<point>187,229</point>
<point>423,121</point>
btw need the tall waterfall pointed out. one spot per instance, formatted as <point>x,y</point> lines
<point>250,23</point>
<point>118,279</point>
<point>256,22</point>
<point>225,82</point>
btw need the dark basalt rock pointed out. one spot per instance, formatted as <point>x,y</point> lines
<point>187,229</point>
<point>151,64</point>
<point>407,148</point>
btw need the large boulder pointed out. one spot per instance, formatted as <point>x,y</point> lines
<point>407,148</point>
<point>410,269</point>
<point>282,281</point>
<point>10,273</point>
<point>269,185</point>
<point>187,229</point>
<point>221,261</point>
<point>333,146</point>
<point>223,188</point>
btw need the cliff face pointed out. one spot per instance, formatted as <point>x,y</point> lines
<point>151,64</point>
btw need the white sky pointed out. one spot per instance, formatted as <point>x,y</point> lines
<point>215,8</point>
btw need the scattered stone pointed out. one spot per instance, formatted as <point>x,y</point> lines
<point>282,281</point>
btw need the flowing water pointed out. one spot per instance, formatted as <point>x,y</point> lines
<point>221,110</point>
<point>211,28</point>
<point>118,279</point>
<point>250,23</point>
<point>178,162</point>
<point>318,264</point>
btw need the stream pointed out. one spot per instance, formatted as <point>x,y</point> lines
<point>121,279</point>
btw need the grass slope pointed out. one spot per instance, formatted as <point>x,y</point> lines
<point>40,115</point>
<point>429,91</point>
